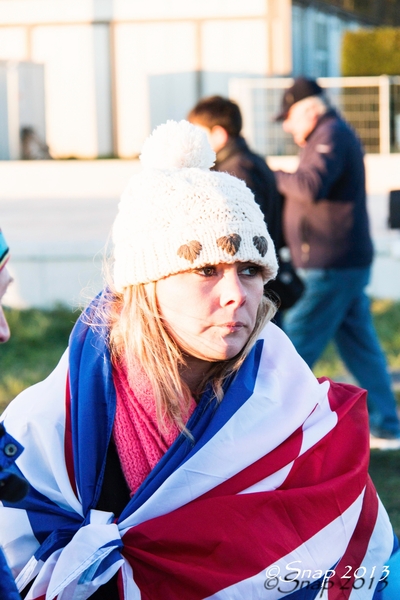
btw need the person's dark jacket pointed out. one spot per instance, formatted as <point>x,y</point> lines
<point>237,159</point>
<point>325,219</point>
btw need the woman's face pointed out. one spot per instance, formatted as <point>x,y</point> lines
<point>211,312</point>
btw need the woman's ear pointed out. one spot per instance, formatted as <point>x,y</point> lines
<point>218,138</point>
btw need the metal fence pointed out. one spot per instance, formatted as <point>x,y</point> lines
<point>370,104</point>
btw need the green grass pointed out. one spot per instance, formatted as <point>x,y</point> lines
<point>385,473</point>
<point>384,466</point>
<point>40,337</point>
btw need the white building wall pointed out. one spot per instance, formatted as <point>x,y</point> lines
<point>116,68</point>
<point>155,78</point>
<point>14,43</point>
<point>103,89</point>
<point>31,12</point>
<point>280,37</point>
<point>231,49</point>
<point>187,9</point>
<point>68,55</point>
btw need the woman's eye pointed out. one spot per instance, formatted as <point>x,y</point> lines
<point>250,270</point>
<point>208,271</point>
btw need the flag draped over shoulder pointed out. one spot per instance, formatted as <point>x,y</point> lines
<point>271,500</point>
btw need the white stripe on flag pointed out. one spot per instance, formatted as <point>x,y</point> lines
<point>321,421</point>
<point>270,483</point>
<point>14,527</point>
<point>131,590</point>
<point>41,432</point>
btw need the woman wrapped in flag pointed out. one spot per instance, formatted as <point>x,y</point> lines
<point>181,449</point>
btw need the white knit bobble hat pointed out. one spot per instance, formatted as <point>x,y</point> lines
<point>177,215</point>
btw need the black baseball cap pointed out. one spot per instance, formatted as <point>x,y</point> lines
<point>301,88</point>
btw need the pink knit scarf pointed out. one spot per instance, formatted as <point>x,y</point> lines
<point>139,442</point>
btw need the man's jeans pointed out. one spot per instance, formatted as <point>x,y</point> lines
<point>335,306</point>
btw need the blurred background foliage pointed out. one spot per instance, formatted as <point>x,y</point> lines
<point>38,340</point>
<point>371,52</point>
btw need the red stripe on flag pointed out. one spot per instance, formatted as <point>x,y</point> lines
<point>338,394</point>
<point>344,451</point>
<point>339,585</point>
<point>68,445</point>
<point>223,538</point>
<point>120,586</point>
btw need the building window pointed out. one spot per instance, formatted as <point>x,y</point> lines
<point>321,44</point>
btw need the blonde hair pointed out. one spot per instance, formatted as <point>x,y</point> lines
<point>138,336</point>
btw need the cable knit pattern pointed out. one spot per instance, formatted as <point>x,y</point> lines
<point>175,214</point>
<point>139,442</point>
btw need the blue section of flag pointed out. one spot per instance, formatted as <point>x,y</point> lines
<point>93,402</point>
<point>8,591</point>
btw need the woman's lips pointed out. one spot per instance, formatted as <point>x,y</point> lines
<point>232,326</point>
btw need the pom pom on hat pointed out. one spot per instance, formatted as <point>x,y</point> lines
<point>177,145</point>
<point>177,215</point>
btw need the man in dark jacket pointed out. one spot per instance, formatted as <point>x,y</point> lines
<point>222,121</point>
<point>326,226</point>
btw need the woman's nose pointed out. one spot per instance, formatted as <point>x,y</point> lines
<point>232,289</point>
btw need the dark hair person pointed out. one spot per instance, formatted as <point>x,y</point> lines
<point>182,448</point>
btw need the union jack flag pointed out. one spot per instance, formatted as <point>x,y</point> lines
<point>271,500</point>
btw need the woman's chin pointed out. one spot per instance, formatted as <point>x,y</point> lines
<point>220,352</point>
